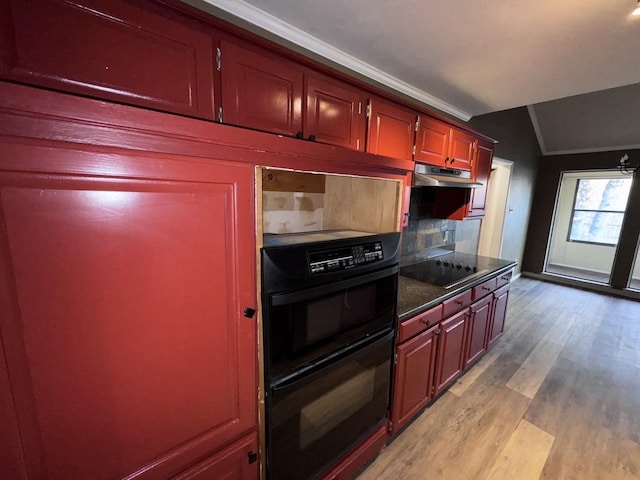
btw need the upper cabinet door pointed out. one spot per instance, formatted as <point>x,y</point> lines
<point>391,130</point>
<point>432,142</point>
<point>335,112</point>
<point>462,150</point>
<point>481,170</point>
<point>121,51</point>
<point>261,91</point>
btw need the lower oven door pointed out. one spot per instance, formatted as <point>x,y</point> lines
<point>315,418</point>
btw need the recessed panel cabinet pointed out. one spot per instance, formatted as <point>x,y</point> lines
<point>499,314</point>
<point>440,144</point>
<point>335,112</point>
<point>126,353</point>
<point>391,129</point>
<point>450,359</point>
<point>260,91</point>
<point>129,52</point>
<point>479,318</point>
<point>271,93</point>
<point>481,171</point>
<point>414,376</point>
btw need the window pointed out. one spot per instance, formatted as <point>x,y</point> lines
<point>598,210</point>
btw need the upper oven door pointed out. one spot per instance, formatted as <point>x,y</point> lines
<point>305,328</point>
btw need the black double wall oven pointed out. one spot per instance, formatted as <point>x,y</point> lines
<point>329,309</point>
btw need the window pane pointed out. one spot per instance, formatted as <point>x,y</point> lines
<point>602,194</point>
<point>596,227</point>
<point>634,280</point>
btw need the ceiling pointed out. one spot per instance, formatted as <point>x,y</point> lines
<point>470,58</point>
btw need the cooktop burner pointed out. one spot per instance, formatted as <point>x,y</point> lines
<point>445,271</point>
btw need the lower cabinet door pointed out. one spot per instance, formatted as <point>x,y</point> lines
<point>450,357</point>
<point>414,377</point>
<point>478,329</point>
<point>236,462</point>
<point>499,314</point>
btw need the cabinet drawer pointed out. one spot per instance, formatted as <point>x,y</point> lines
<point>420,322</point>
<point>485,288</point>
<point>457,303</point>
<point>504,279</point>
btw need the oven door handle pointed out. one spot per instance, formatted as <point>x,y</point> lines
<point>298,296</point>
<point>308,372</point>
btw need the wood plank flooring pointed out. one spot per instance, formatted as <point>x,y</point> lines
<point>558,397</point>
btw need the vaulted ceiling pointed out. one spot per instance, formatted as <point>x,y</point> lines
<point>469,58</point>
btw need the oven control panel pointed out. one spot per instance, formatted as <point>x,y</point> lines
<point>343,258</point>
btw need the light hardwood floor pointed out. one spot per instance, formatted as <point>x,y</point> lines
<point>558,397</point>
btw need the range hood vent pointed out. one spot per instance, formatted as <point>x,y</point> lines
<point>430,176</point>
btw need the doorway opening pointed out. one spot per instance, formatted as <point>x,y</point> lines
<point>491,231</point>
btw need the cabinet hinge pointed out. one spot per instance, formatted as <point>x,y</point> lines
<point>395,359</point>
<point>417,123</point>
<point>367,110</point>
<point>218,59</point>
<point>438,332</point>
<point>414,150</point>
<point>252,457</point>
<point>433,390</point>
<point>359,108</point>
<point>389,426</point>
<point>220,114</point>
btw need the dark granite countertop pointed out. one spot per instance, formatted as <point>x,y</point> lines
<point>415,296</point>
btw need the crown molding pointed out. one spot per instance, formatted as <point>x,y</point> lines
<point>593,150</point>
<point>274,25</point>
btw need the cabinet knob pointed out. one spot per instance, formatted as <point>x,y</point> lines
<point>452,160</point>
<point>425,321</point>
<point>486,288</point>
<point>249,312</point>
<point>312,138</point>
<point>459,302</point>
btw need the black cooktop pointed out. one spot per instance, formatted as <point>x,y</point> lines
<point>447,270</point>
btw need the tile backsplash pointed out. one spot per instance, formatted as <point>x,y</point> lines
<point>423,237</point>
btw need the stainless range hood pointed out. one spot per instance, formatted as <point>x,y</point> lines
<point>430,176</point>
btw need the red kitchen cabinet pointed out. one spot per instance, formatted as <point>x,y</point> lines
<point>461,150</point>
<point>481,171</point>
<point>440,144</point>
<point>128,52</point>
<point>260,90</point>
<point>477,330</point>
<point>451,350</point>
<point>335,112</point>
<point>126,351</point>
<point>499,314</point>
<point>414,377</point>
<point>432,141</point>
<point>236,462</point>
<point>391,129</point>
<point>270,93</point>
